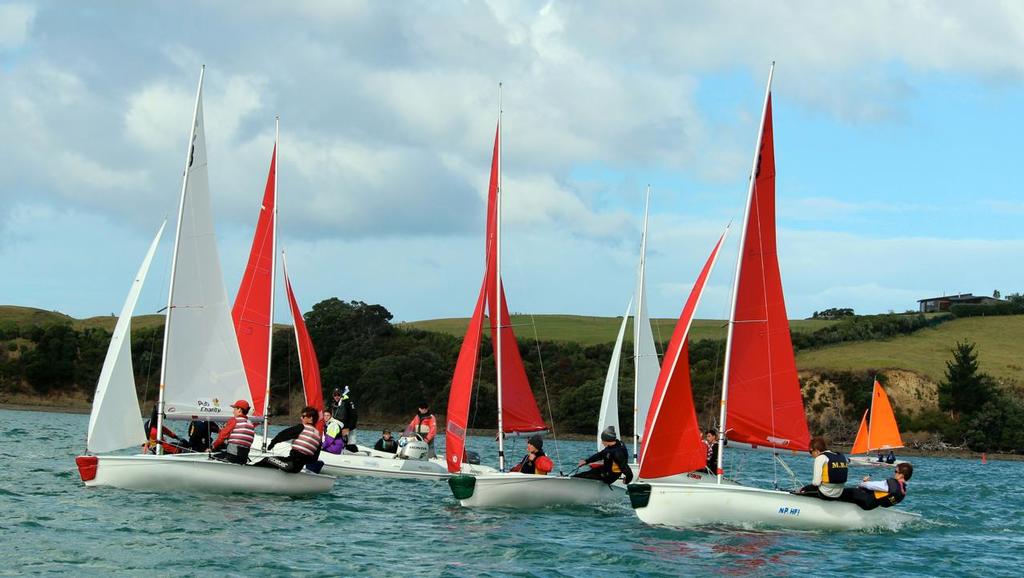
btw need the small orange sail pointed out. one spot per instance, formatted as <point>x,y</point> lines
<point>860,444</point>
<point>883,433</point>
<point>880,432</point>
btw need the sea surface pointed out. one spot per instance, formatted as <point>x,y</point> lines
<point>52,524</point>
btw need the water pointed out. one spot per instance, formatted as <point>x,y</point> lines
<point>372,527</point>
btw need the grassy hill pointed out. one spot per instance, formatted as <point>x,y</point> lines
<point>594,330</point>
<point>999,342</point>
<point>30,316</point>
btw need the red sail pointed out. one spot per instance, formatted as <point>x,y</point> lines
<point>308,364</point>
<point>251,312</point>
<point>462,388</point>
<point>674,443</point>
<point>519,412</point>
<point>765,407</point>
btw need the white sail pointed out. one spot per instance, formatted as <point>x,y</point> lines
<point>645,355</point>
<point>203,372</point>
<point>609,415</point>
<point>115,421</point>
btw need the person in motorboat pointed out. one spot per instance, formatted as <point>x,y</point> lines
<point>424,424</point>
<point>152,437</point>
<point>305,441</point>
<point>344,410</point>
<point>334,438</point>
<point>870,494</point>
<point>535,461</point>
<point>830,472</point>
<point>236,436</point>
<point>711,450</point>
<point>386,443</point>
<point>891,457</point>
<point>610,463</point>
<point>200,432</point>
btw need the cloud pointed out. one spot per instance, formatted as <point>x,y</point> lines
<point>15,24</point>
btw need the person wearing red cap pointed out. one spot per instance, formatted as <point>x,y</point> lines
<point>237,435</point>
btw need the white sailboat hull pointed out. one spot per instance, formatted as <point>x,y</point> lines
<point>870,462</point>
<point>196,473</point>
<point>372,463</point>
<point>516,490</point>
<point>686,505</point>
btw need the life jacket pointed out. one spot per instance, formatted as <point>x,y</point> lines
<point>541,465</point>
<point>610,463</point>
<point>308,441</point>
<point>242,433</point>
<point>421,424</point>
<point>897,491</point>
<point>836,469</point>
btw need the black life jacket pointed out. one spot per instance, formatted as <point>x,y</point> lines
<point>897,491</point>
<point>836,469</point>
<point>530,467</point>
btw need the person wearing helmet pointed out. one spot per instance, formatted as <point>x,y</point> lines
<point>535,461</point>
<point>236,436</point>
<point>610,463</point>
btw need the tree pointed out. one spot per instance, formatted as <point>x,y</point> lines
<point>965,389</point>
<point>995,294</point>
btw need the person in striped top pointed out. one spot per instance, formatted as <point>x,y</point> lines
<point>305,441</point>
<point>236,437</point>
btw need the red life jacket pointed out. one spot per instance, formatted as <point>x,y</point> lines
<point>308,441</point>
<point>243,432</point>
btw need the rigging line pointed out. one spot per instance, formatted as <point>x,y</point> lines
<point>544,380</point>
<point>149,368</point>
<point>475,393</point>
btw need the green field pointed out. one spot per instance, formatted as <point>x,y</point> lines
<point>29,316</point>
<point>594,330</point>
<point>999,341</point>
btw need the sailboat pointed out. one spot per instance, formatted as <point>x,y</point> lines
<point>517,409</point>
<point>878,432</point>
<point>645,357</point>
<point>761,402</point>
<point>201,372</point>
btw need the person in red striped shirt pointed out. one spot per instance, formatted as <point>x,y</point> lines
<point>237,436</point>
<point>305,440</point>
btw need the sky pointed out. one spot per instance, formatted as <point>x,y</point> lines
<point>897,136</point>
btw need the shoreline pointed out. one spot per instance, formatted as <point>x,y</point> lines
<point>380,423</point>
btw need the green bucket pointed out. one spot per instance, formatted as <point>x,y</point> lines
<point>639,495</point>
<point>462,486</point>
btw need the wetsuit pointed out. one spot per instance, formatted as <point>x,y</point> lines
<point>870,495</point>
<point>540,465</point>
<point>199,432</point>
<point>614,461</point>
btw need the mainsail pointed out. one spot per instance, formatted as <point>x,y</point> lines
<point>254,302</point>
<point>674,444</point>
<point>462,388</point>
<point>115,421</point>
<point>202,367</point>
<point>609,414</point>
<point>764,404</point>
<point>645,356</point>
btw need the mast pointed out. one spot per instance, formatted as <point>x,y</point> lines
<point>736,281</point>
<point>273,286</point>
<point>174,267</point>
<point>636,328</point>
<point>497,290</point>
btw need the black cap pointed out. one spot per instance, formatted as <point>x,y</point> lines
<point>536,441</point>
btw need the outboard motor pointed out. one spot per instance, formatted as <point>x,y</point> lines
<point>412,448</point>
<point>472,458</point>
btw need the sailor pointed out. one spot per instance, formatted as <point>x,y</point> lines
<point>334,440</point>
<point>535,461</point>
<point>386,443</point>
<point>236,437</point>
<point>305,441</point>
<point>152,437</point>
<point>344,410</point>
<point>610,463</point>
<point>424,424</point>
<point>199,432</point>
<point>830,472</point>
<point>891,457</point>
<point>711,450</point>
<point>870,495</point>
